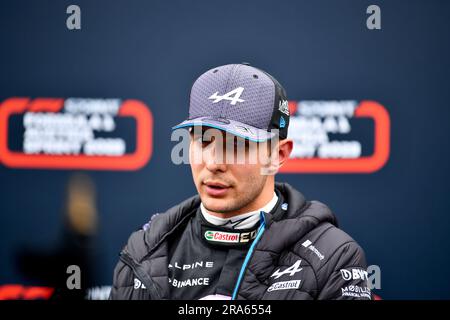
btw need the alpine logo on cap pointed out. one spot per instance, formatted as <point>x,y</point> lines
<point>233,96</point>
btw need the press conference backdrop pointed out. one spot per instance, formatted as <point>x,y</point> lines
<point>85,118</point>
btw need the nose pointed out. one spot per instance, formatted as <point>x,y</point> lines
<point>213,157</point>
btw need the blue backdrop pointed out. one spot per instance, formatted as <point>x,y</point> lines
<point>319,50</point>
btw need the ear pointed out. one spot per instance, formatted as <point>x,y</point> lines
<point>284,150</point>
<point>279,155</point>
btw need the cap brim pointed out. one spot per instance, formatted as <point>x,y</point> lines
<point>234,127</point>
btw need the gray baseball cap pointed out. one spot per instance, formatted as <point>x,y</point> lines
<point>239,99</point>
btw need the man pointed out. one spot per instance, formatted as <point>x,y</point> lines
<point>243,236</point>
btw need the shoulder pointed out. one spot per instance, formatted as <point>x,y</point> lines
<point>141,241</point>
<point>326,243</point>
<point>327,250</point>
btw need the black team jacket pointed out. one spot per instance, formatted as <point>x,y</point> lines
<point>296,252</point>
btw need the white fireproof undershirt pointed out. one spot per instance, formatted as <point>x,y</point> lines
<point>242,221</point>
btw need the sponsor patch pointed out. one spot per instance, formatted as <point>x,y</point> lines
<point>356,291</point>
<point>138,284</point>
<point>220,236</point>
<point>284,285</point>
<point>229,237</point>
<point>354,274</point>
<point>308,244</point>
<point>283,106</point>
<point>292,270</point>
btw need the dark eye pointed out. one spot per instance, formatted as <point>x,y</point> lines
<point>201,140</point>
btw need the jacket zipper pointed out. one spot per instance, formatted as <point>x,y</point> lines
<point>248,256</point>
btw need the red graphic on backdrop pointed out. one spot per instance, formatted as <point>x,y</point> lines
<point>354,163</point>
<point>20,292</point>
<point>94,159</point>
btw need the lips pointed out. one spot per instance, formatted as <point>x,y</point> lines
<point>216,189</point>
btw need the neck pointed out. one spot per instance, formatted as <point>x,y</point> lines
<point>243,220</point>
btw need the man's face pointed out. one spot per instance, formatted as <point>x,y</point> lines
<point>224,184</point>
